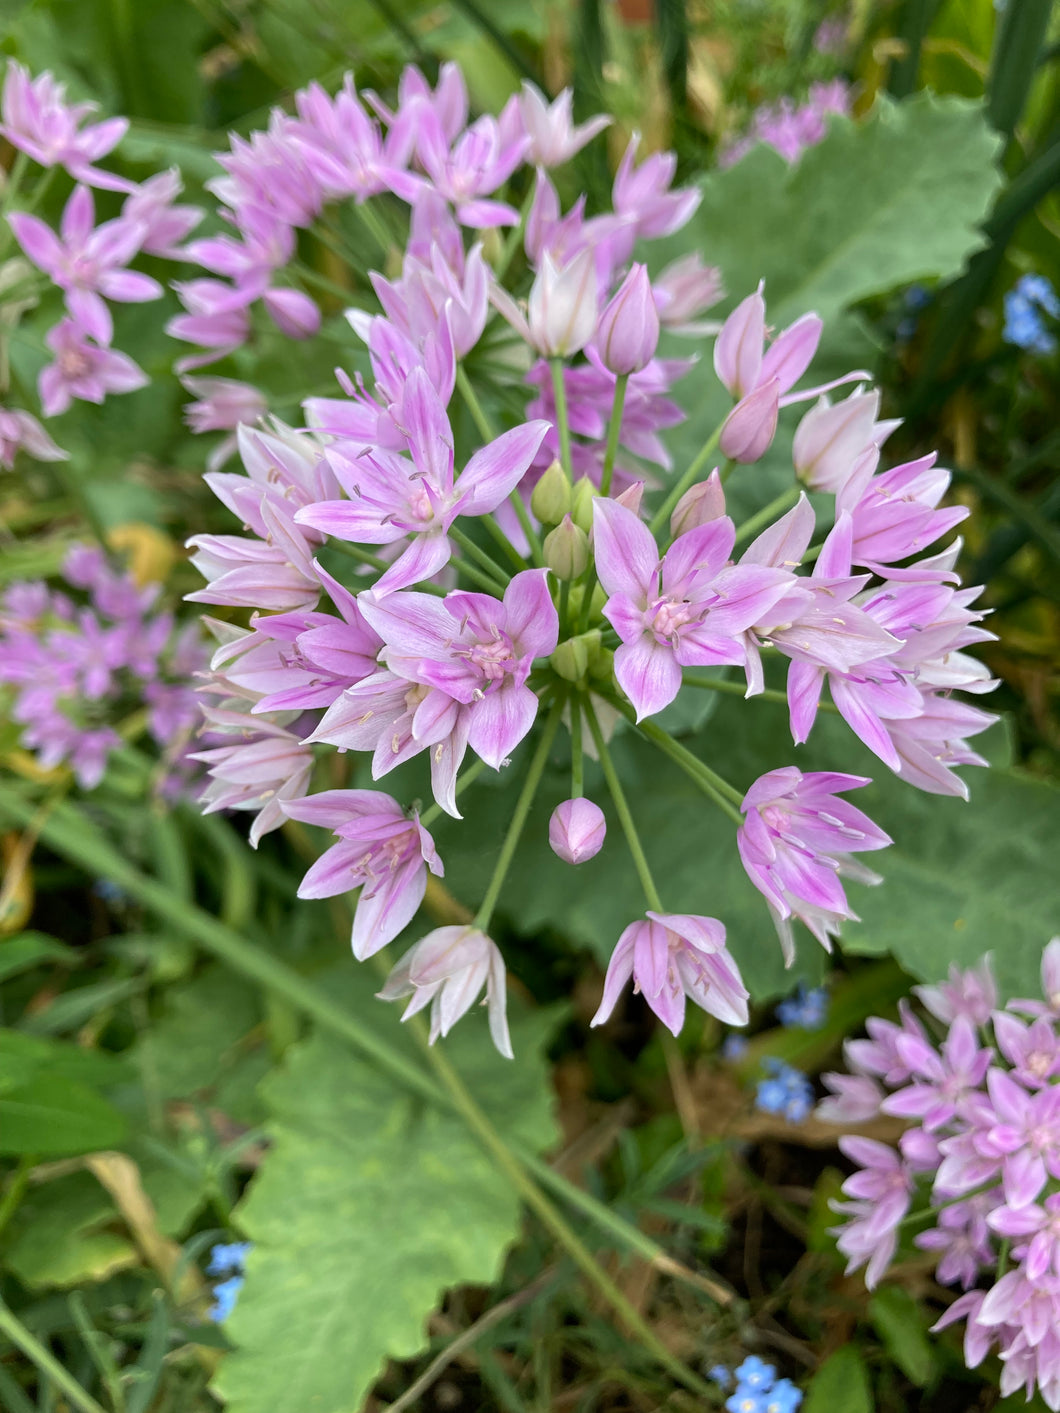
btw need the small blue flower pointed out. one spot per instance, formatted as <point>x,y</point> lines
<point>807,1008</point>
<point>787,1092</point>
<point>720,1375</point>
<point>783,1397</point>
<point>1038,290</point>
<point>1025,304</point>
<point>755,1373</point>
<point>746,1400</point>
<point>734,1047</point>
<point>228,1259</point>
<point>224,1298</point>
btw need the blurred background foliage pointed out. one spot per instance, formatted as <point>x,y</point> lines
<point>146,1062</point>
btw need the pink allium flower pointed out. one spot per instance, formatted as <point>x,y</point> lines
<point>643,196</point>
<point>266,767</point>
<point>446,971</point>
<point>223,404</point>
<point>576,830</point>
<point>20,431</point>
<point>671,956</point>
<point>831,438</point>
<point>684,290</point>
<point>882,1190</point>
<point>684,610</point>
<point>554,137</point>
<point>83,370</point>
<point>380,850</point>
<point>473,653</point>
<point>152,205</point>
<point>970,992</point>
<point>88,262</point>
<point>38,121</point>
<point>795,844</point>
<point>390,500</point>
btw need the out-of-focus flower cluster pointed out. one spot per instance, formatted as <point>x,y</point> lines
<point>77,663</point>
<point>227,1259</point>
<point>789,127</point>
<point>415,593</point>
<point>1029,307</point>
<point>977,1171</point>
<point>88,261</point>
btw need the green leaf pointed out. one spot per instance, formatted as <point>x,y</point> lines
<point>26,1057</point>
<point>900,1325</point>
<point>50,1116</point>
<point>840,1385</point>
<point>367,1208</point>
<point>62,1235</point>
<point>895,198</point>
<point>202,1045</point>
<point>32,949</point>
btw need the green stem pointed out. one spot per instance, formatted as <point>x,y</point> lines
<point>14,180</point>
<point>489,568</point>
<point>310,276</point>
<point>724,795</point>
<point>17,1189</point>
<point>577,755</point>
<point>501,540</point>
<point>566,1236</point>
<point>559,391</point>
<point>533,539</point>
<point>768,513</point>
<point>380,233</point>
<point>522,809</point>
<point>614,431</point>
<point>629,829</point>
<point>515,235</point>
<point>478,415</point>
<point>67,832</point>
<point>737,689</point>
<point>45,1361</point>
<point>666,509</point>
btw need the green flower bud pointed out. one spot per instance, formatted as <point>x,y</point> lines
<point>550,499</point>
<point>571,659</point>
<point>581,503</point>
<point>566,550</point>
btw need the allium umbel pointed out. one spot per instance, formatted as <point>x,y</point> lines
<point>461,558</point>
<point>980,1163</point>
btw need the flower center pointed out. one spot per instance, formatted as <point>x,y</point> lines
<point>671,615</point>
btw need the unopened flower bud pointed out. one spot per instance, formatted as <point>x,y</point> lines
<point>751,425</point>
<point>628,332</point>
<point>571,659</point>
<point>550,498</point>
<point>567,549</point>
<point>631,497</point>
<point>581,503</point>
<point>699,505</point>
<point>563,306</point>
<point>293,312</point>
<point>577,830</point>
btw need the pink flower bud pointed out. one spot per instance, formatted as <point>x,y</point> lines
<point>293,312</point>
<point>631,497</point>
<point>752,424</point>
<point>576,830</point>
<point>699,505</point>
<point>563,306</point>
<point>628,333</point>
<point>684,290</point>
<point>738,348</point>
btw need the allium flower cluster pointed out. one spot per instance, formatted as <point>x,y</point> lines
<point>421,594</point>
<point>789,127</point>
<point>88,262</point>
<point>978,1168</point>
<point>76,662</point>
